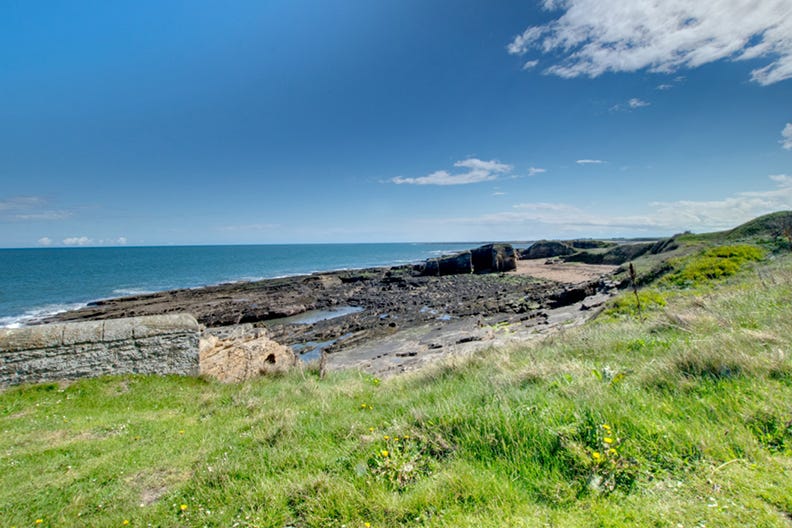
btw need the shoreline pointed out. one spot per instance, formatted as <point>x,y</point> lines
<point>392,319</point>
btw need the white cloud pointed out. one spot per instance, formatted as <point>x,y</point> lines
<point>589,162</point>
<point>664,86</point>
<point>530,64</point>
<point>661,217</point>
<point>77,241</point>
<point>786,136</point>
<point>45,241</point>
<point>121,241</point>
<point>533,171</point>
<point>20,203</point>
<point>637,103</point>
<point>498,193</point>
<point>597,36</point>
<point>477,171</point>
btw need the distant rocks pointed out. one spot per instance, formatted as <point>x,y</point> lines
<point>489,258</point>
<point>547,249</point>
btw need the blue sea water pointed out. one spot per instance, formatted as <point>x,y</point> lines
<point>35,283</point>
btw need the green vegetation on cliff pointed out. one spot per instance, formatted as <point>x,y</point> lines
<point>675,416</point>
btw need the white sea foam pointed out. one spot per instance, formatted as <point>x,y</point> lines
<point>36,315</point>
<point>132,291</point>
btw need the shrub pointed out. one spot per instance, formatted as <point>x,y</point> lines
<point>713,264</point>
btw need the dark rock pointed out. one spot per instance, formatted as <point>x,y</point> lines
<point>494,258</point>
<point>546,249</point>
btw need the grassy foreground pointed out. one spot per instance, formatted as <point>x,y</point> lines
<point>679,416</point>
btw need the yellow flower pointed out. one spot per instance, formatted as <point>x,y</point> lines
<point>606,427</point>
<point>384,452</point>
<point>406,437</point>
<point>386,437</point>
<point>367,524</point>
<point>181,431</point>
<point>126,522</point>
<point>607,440</point>
<point>183,507</point>
<point>596,456</point>
<point>371,429</point>
<point>39,521</point>
<point>612,451</point>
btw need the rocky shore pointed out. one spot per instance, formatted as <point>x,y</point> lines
<point>387,320</point>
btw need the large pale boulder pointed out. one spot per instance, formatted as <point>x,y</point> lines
<point>242,353</point>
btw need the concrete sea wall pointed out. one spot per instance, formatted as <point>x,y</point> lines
<point>159,344</point>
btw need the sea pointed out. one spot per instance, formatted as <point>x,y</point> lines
<point>40,282</point>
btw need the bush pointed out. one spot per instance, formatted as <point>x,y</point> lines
<point>713,264</point>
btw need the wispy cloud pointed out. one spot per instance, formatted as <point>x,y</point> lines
<point>668,217</point>
<point>632,104</point>
<point>29,208</point>
<point>664,86</point>
<point>45,241</point>
<point>17,203</point>
<point>533,171</point>
<point>529,65</point>
<point>590,161</point>
<point>786,137</point>
<point>597,36</point>
<point>249,227</point>
<point>476,171</point>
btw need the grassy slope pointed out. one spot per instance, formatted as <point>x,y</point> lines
<point>695,396</point>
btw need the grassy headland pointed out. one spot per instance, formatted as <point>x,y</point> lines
<point>677,414</point>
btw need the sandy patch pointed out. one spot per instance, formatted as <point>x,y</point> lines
<point>566,272</point>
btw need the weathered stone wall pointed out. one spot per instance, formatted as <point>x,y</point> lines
<point>159,344</point>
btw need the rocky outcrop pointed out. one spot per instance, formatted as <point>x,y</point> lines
<point>159,344</point>
<point>489,258</point>
<point>494,258</point>
<point>547,249</point>
<point>242,352</point>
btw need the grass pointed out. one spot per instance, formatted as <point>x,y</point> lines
<point>679,418</point>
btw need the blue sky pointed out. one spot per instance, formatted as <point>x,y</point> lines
<point>284,121</point>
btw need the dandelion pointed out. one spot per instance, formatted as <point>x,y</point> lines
<point>608,440</point>
<point>612,451</point>
<point>386,437</point>
<point>181,431</point>
<point>371,429</point>
<point>596,456</point>
<point>183,507</point>
<point>384,452</point>
<point>367,524</point>
<point>606,427</point>
<point>39,521</point>
<point>126,522</point>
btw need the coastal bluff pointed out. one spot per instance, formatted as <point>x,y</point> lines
<point>158,344</point>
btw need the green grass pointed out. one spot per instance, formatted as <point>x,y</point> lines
<point>695,396</point>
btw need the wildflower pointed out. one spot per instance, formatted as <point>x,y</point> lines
<point>612,451</point>
<point>367,524</point>
<point>386,437</point>
<point>384,452</point>
<point>608,440</point>
<point>406,437</point>
<point>126,522</point>
<point>181,431</point>
<point>371,429</point>
<point>39,521</point>
<point>606,427</point>
<point>183,507</point>
<point>596,456</point>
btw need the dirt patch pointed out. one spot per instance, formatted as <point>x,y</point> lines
<point>564,272</point>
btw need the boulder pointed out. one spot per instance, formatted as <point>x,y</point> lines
<point>494,258</point>
<point>241,353</point>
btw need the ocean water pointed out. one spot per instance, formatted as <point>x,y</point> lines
<point>35,283</point>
